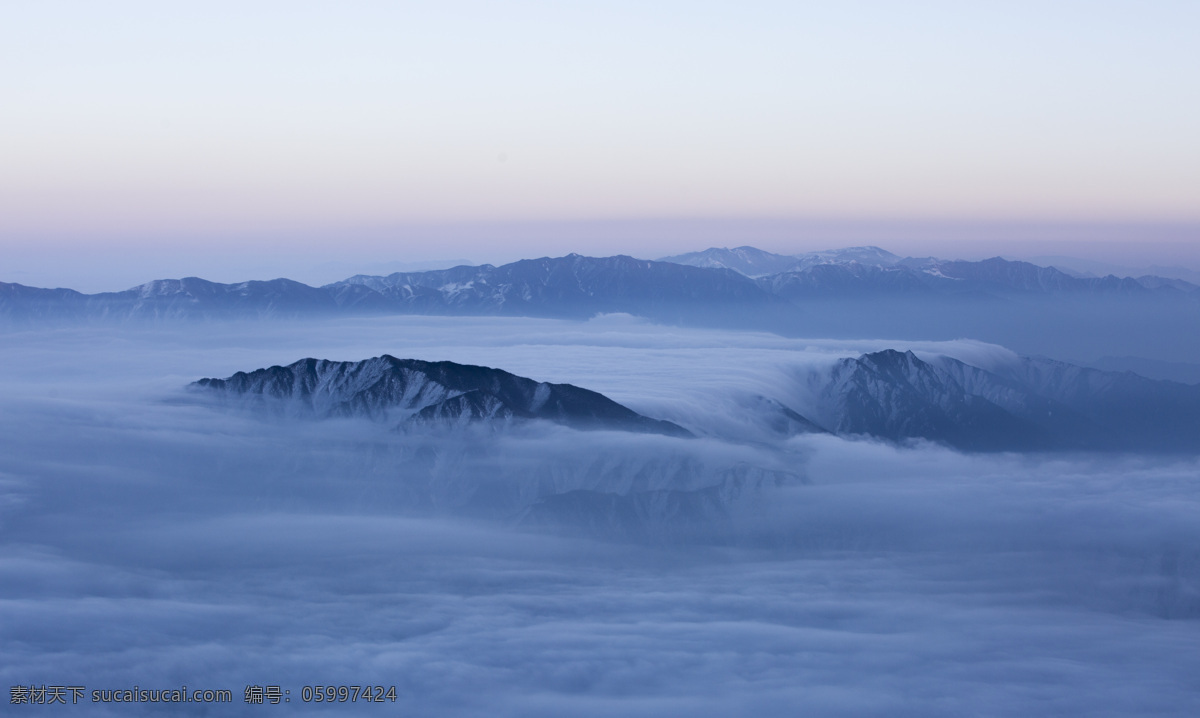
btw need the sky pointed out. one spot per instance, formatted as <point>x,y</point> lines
<point>239,141</point>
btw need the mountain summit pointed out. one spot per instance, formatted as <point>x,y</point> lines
<point>1029,404</point>
<point>755,263</point>
<point>421,392</point>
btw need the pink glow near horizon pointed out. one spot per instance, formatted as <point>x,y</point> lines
<point>134,130</point>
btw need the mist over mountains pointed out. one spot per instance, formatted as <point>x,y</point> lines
<point>412,391</point>
<point>818,527</point>
<point>1026,405</point>
<point>1038,404</point>
<point>847,293</point>
<point>1022,404</point>
<point>269,449</point>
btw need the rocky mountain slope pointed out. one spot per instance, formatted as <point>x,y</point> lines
<point>411,391</point>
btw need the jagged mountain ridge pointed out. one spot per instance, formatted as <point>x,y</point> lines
<point>750,261</point>
<point>569,287</point>
<point>1033,404</point>
<point>896,396</point>
<point>169,299</point>
<point>756,263</point>
<point>1024,405</point>
<point>994,277</point>
<point>1032,310</point>
<point>870,271</point>
<point>580,287</point>
<point>414,391</point>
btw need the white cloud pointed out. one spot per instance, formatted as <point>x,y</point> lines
<point>149,541</point>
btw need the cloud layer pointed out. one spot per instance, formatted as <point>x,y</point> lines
<point>154,542</point>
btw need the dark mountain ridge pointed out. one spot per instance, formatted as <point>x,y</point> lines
<point>414,391</point>
<point>1033,404</point>
<point>573,287</point>
<point>1026,404</point>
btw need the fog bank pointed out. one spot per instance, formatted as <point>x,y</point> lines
<point>147,540</point>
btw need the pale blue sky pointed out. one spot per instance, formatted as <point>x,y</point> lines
<point>138,129</point>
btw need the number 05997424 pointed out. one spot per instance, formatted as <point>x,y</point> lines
<point>348,694</point>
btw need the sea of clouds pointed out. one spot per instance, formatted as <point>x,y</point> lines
<point>149,539</point>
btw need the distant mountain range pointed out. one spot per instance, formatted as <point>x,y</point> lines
<point>569,287</point>
<point>756,263</point>
<point>410,391</point>
<point>872,272</point>
<point>1079,267</point>
<point>715,284</point>
<point>573,287</point>
<point>851,293</point>
<point>169,299</point>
